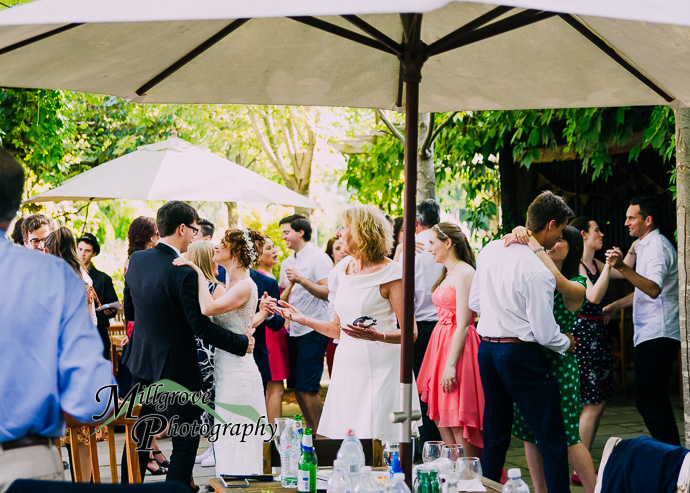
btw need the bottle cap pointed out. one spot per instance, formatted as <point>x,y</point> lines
<point>514,473</point>
<point>399,476</point>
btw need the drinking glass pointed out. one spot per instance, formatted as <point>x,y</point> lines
<point>278,427</point>
<point>468,472</point>
<point>389,448</point>
<point>453,452</point>
<point>432,451</point>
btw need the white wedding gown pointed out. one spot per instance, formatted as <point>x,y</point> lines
<point>238,383</point>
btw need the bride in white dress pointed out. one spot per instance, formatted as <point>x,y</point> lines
<point>238,384</point>
<point>364,386</point>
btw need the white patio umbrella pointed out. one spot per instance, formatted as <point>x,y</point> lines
<point>173,169</point>
<point>358,53</point>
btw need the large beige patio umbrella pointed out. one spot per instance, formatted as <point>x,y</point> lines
<point>173,169</point>
<point>358,53</point>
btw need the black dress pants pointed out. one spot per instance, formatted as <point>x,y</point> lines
<point>184,448</point>
<point>429,430</point>
<point>653,363</point>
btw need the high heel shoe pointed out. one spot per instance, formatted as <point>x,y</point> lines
<point>164,462</point>
<point>159,471</point>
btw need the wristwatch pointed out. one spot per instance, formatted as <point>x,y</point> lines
<point>540,249</point>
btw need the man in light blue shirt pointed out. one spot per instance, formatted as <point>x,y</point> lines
<point>51,353</point>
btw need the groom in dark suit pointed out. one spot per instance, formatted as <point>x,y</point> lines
<point>163,302</point>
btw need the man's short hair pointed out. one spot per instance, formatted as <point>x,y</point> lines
<point>546,208</point>
<point>206,227</point>
<point>649,206</point>
<point>428,213</point>
<point>298,222</point>
<point>172,214</point>
<point>90,239</point>
<point>11,186</point>
<point>33,222</point>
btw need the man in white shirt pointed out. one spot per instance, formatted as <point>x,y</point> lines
<point>651,265</point>
<point>513,293</point>
<point>426,273</point>
<point>304,275</point>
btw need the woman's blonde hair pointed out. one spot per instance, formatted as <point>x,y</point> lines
<point>372,233</point>
<point>201,253</point>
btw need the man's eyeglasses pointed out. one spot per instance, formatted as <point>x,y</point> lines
<point>37,241</point>
<point>196,230</point>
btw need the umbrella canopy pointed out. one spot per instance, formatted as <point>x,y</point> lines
<point>173,169</point>
<point>268,52</point>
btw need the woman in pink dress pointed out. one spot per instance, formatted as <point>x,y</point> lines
<point>449,377</point>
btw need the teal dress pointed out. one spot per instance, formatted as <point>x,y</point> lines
<point>564,368</point>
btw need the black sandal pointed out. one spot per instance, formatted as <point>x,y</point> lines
<point>157,472</point>
<point>164,463</point>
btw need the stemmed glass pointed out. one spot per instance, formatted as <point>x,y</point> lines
<point>432,450</point>
<point>453,452</point>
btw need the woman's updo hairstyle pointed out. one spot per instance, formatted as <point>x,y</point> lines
<point>461,245</point>
<point>140,233</point>
<point>246,245</point>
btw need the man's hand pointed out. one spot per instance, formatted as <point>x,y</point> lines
<point>607,312</point>
<point>614,257</point>
<point>571,348</point>
<point>252,341</point>
<point>293,275</point>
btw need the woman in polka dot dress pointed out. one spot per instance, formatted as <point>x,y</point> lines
<point>563,261</point>
<point>592,348</point>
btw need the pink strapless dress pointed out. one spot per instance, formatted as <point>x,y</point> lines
<point>465,405</point>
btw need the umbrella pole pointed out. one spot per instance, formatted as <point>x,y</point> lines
<point>412,75</point>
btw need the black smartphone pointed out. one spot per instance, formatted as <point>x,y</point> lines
<point>366,321</point>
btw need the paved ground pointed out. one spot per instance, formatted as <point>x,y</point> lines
<point>620,419</point>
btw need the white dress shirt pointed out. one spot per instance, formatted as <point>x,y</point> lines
<point>314,265</point>
<point>426,273</point>
<point>653,318</point>
<point>513,292</point>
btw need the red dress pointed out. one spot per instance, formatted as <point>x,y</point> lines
<point>278,357</point>
<point>464,407</point>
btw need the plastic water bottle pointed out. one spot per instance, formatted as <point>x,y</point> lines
<point>395,465</point>
<point>289,456</point>
<point>366,483</point>
<point>515,483</point>
<point>352,453</point>
<point>397,484</point>
<point>339,481</point>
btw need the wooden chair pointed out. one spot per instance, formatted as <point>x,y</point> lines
<point>327,451</point>
<point>116,331</point>
<point>73,427</point>
<point>621,350</point>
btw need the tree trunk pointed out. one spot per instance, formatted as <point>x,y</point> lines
<point>426,174</point>
<point>507,169</point>
<point>233,218</point>
<point>682,202</point>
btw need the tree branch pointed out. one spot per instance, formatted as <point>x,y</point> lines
<point>438,129</point>
<point>396,133</point>
<point>424,149</point>
<point>275,157</point>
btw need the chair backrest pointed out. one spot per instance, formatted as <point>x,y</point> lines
<point>683,482</point>
<point>327,451</point>
<point>73,427</point>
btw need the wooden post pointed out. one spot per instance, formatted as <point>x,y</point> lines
<point>682,203</point>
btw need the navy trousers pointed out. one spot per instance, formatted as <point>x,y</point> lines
<point>519,373</point>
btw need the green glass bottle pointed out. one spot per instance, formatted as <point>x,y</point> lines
<point>298,424</point>
<point>306,471</point>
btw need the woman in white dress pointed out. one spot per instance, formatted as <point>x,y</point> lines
<point>239,389</point>
<point>364,387</point>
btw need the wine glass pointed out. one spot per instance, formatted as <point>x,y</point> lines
<point>468,472</point>
<point>453,452</point>
<point>390,448</point>
<point>432,450</point>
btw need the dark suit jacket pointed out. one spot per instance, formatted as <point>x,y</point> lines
<point>270,286</point>
<point>163,301</point>
<point>103,285</point>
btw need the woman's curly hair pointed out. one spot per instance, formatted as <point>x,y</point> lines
<point>139,234</point>
<point>235,241</point>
